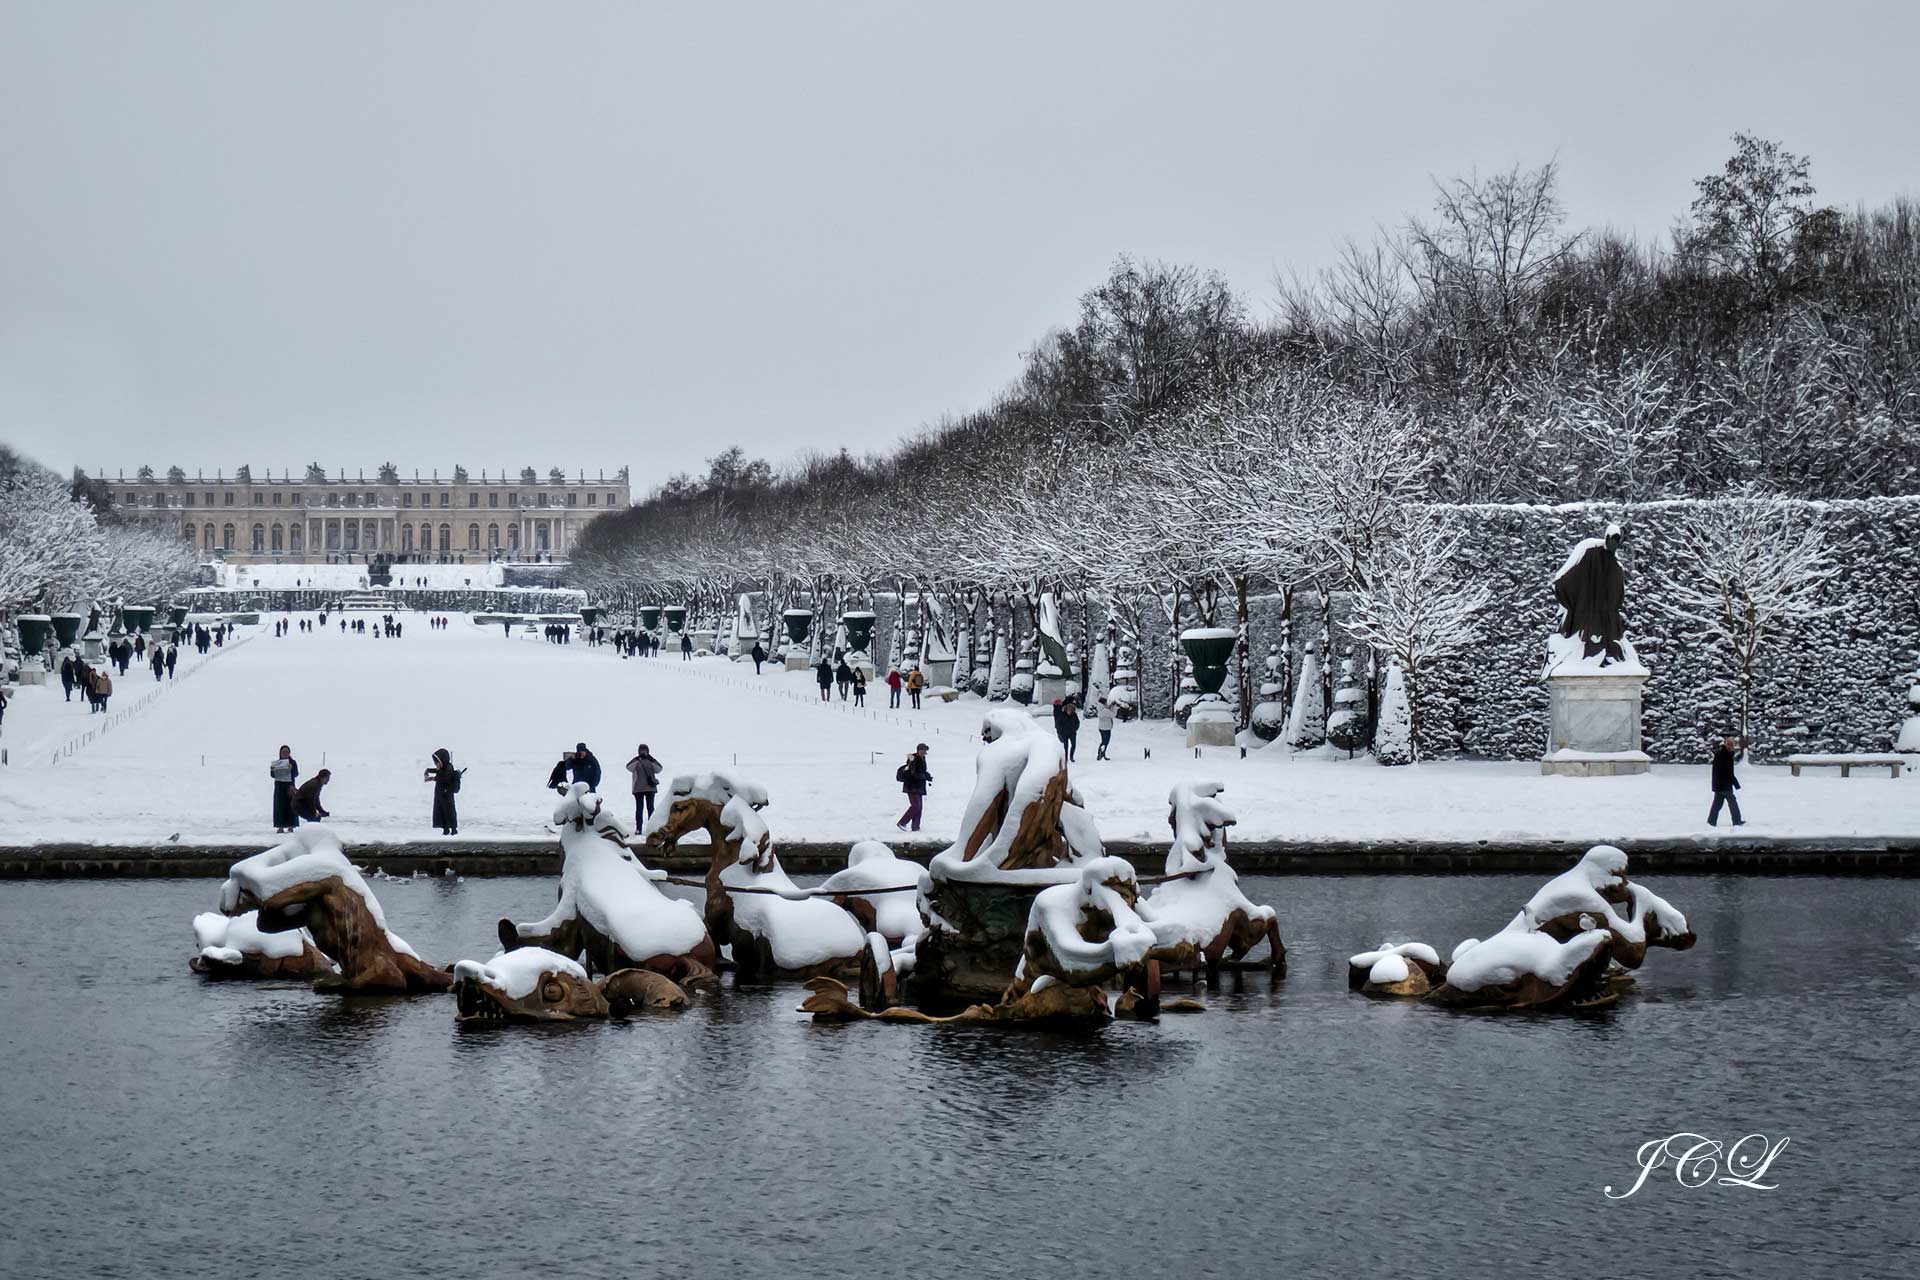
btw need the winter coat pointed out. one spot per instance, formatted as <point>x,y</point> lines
<point>646,773</point>
<point>913,776</point>
<point>306,798</point>
<point>1105,710</point>
<point>587,771</point>
<point>446,783</point>
<point>893,681</point>
<point>759,654</point>
<point>557,780</point>
<point>825,674</point>
<point>843,673</point>
<point>1723,779</point>
<point>1066,721</point>
<point>284,774</point>
<point>915,681</point>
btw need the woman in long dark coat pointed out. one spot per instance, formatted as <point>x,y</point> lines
<point>446,783</point>
<point>285,772</point>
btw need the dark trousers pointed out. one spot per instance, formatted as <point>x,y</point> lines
<point>826,693</point>
<point>912,815</point>
<point>1106,740</point>
<point>642,808</point>
<point>1733,807</point>
<point>893,698</point>
<point>1069,741</point>
<point>915,695</point>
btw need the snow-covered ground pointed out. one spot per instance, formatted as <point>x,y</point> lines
<point>346,577</point>
<point>194,761</point>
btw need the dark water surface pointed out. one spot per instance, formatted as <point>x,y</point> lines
<point>156,1125</point>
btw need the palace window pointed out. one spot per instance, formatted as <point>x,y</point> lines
<point>259,538</point>
<point>493,499</point>
<point>573,499</point>
<point>473,537</point>
<point>473,499</point>
<point>406,539</point>
<point>353,499</point>
<point>541,500</point>
<point>446,500</point>
<point>406,499</point>
<point>189,531</point>
<point>296,500</point>
<point>276,499</point>
<point>279,537</point>
<point>226,538</point>
<point>189,498</point>
<point>513,499</point>
<point>493,537</point>
<point>228,495</point>
<point>294,536</point>
<point>592,499</point>
<point>446,535</point>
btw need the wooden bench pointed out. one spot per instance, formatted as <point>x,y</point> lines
<point>1847,763</point>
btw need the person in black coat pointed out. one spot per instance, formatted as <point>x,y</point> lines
<point>558,778</point>
<point>1066,723</point>
<point>914,780</point>
<point>66,676</point>
<point>686,647</point>
<point>586,766</point>
<point>824,674</point>
<point>285,772</point>
<point>759,656</point>
<point>446,784</point>
<point>1724,783</point>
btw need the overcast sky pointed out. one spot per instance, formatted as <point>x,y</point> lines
<point>594,234</point>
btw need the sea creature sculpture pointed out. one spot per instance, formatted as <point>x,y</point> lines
<point>1046,1003</point>
<point>1560,949</point>
<point>774,927</point>
<point>1090,933</point>
<point>610,909</point>
<point>307,882</point>
<point>871,865</point>
<point>234,947</point>
<point>533,984</point>
<point>1023,830</point>
<point>1204,907</point>
<point>1408,969</point>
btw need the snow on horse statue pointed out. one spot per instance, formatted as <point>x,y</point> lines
<point>774,927</point>
<point>234,947</point>
<point>1204,909</point>
<point>1561,949</point>
<point>1022,830</point>
<point>873,866</point>
<point>308,883</point>
<point>532,984</point>
<point>609,907</point>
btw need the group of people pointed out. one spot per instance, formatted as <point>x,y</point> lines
<point>295,801</point>
<point>559,633</point>
<point>1066,724</point>
<point>836,671</point>
<point>914,682</point>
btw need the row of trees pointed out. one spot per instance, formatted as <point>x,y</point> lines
<point>63,546</point>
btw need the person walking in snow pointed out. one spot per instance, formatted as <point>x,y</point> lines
<point>759,656</point>
<point>916,684</point>
<point>646,784</point>
<point>686,647</point>
<point>914,780</point>
<point>1724,783</point>
<point>102,685</point>
<point>843,676</point>
<point>893,686</point>
<point>824,674</point>
<point>159,664</point>
<point>1066,723</point>
<point>1104,710</point>
<point>446,785</point>
<point>306,797</point>
<point>66,676</point>
<point>173,656</point>
<point>285,772</point>
<point>859,687</point>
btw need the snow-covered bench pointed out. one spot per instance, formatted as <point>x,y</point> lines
<point>1848,762</point>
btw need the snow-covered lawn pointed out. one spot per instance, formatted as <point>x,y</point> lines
<point>194,761</point>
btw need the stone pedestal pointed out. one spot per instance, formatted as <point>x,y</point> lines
<point>1595,724</point>
<point>703,639</point>
<point>1046,688</point>
<point>1210,724</point>
<point>939,671</point>
<point>797,661</point>
<point>32,673</point>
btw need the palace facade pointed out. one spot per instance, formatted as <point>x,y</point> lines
<point>317,517</point>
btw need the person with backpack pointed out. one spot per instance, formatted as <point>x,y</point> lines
<point>914,780</point>
<point>446,785</point>
<point>285,772</point>
<point>916,684</point>
<point>646,784</point>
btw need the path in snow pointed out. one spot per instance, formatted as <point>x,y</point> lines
<point>373,710</point>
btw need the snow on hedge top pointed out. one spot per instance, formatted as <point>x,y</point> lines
<point>232,938</point>
<point>518,972</point>
<point>1056,913</point>
<point>1514,953</point>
